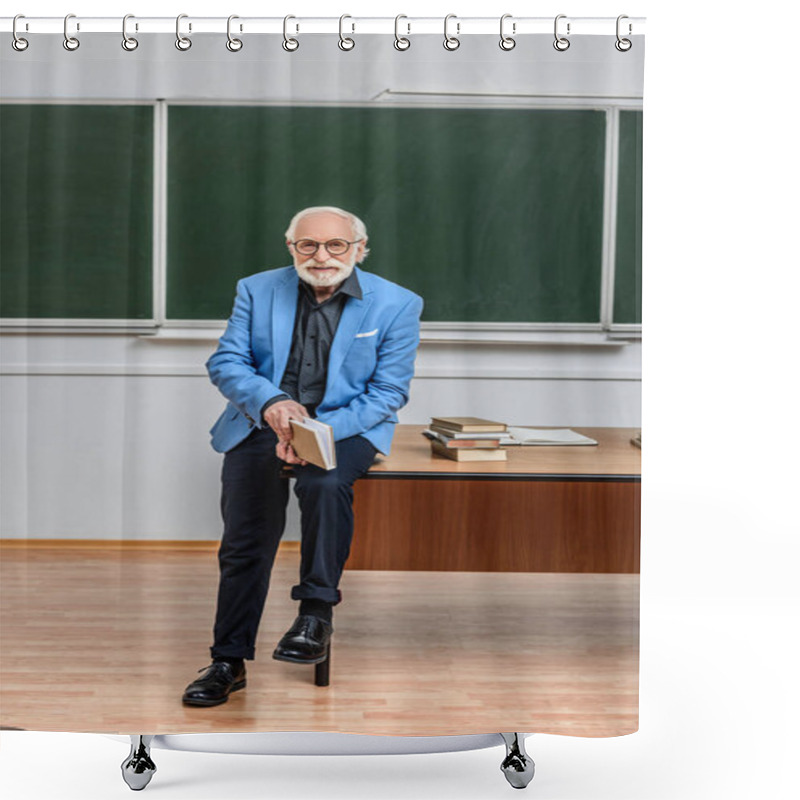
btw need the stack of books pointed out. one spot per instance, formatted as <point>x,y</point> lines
<point>466,438</point>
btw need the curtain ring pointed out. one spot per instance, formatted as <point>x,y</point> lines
<point>18,43</point>
<point>128,42</point>
<point>183,43</point>
<point>451,42</point>
<point>289,44</point>
<point>400,42</point>
<point>233,44</point>
<point>345,42</point>
<point>70,42</point>
<point>623,45</point>
<point>507,42</point>
<point>561,43</point>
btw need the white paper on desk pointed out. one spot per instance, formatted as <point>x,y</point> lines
<point>544,436</point>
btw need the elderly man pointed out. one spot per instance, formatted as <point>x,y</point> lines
<point>322,339</point>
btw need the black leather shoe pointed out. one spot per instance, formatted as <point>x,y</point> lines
<point>306,642</point>
<point>219,680</point>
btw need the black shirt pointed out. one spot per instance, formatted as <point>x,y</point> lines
<point>314,328</point>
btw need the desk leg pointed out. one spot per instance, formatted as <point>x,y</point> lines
<point>517,766</point>
<point>138,768</point>
<point>322,671</point>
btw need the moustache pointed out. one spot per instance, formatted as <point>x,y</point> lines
<point>331,263</point>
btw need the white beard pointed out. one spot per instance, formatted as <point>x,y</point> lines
<point>314,279</point>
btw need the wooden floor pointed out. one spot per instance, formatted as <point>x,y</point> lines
<point>104,639</point>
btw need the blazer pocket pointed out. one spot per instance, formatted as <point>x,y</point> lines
<point>366,333</point>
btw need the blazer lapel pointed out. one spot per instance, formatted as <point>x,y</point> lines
<point>284,310</point>
<point>349,324</point>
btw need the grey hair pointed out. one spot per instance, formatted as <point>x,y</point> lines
<point>359,228</point>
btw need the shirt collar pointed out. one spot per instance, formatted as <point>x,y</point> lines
<point>352,287</point>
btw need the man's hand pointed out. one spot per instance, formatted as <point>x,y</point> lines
<point>277,417</point>
<point>285,452</point>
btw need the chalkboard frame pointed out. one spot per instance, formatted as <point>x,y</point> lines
<point>101,324</point>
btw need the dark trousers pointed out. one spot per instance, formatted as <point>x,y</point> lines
<point>254,498</point>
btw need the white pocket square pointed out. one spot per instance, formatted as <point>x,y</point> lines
<point>368,333</point>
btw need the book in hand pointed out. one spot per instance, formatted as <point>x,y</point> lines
<point>468,424</point>
<point>467,453</point>
<point>474,441</point>
<point>544,436</point>
<point>312,441</point>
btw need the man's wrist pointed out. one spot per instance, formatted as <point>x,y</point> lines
<point>277,399</point>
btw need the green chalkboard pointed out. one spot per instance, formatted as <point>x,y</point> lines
<point>489,214</point>
<point>628,267</point>
<point>76,208</point>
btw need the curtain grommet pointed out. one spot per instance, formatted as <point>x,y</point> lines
<point>561,43</point>
<point>233,44</point>
<point>183,43</point>
<point>451,43</point>
<point>129,43</point>
<point>401,43</point>
<point>289,44</point>
<point>622,44</point>
<point>346,43</point>
<point>507,43</point>
<point>70,43</point>
<point>17,42</point>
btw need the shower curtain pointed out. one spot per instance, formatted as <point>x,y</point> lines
<point>499,180</point>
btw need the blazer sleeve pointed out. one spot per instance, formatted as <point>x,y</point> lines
<point>232,367</point>
<point>387,389</point>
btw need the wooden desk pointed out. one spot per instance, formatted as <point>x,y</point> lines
<point>547,509</point>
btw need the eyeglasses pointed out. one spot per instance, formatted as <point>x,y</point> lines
<point>336,247</point>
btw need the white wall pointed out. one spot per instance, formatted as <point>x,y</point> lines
<point>106,436</point>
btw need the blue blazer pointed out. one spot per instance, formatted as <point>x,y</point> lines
<point>370,365</point>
